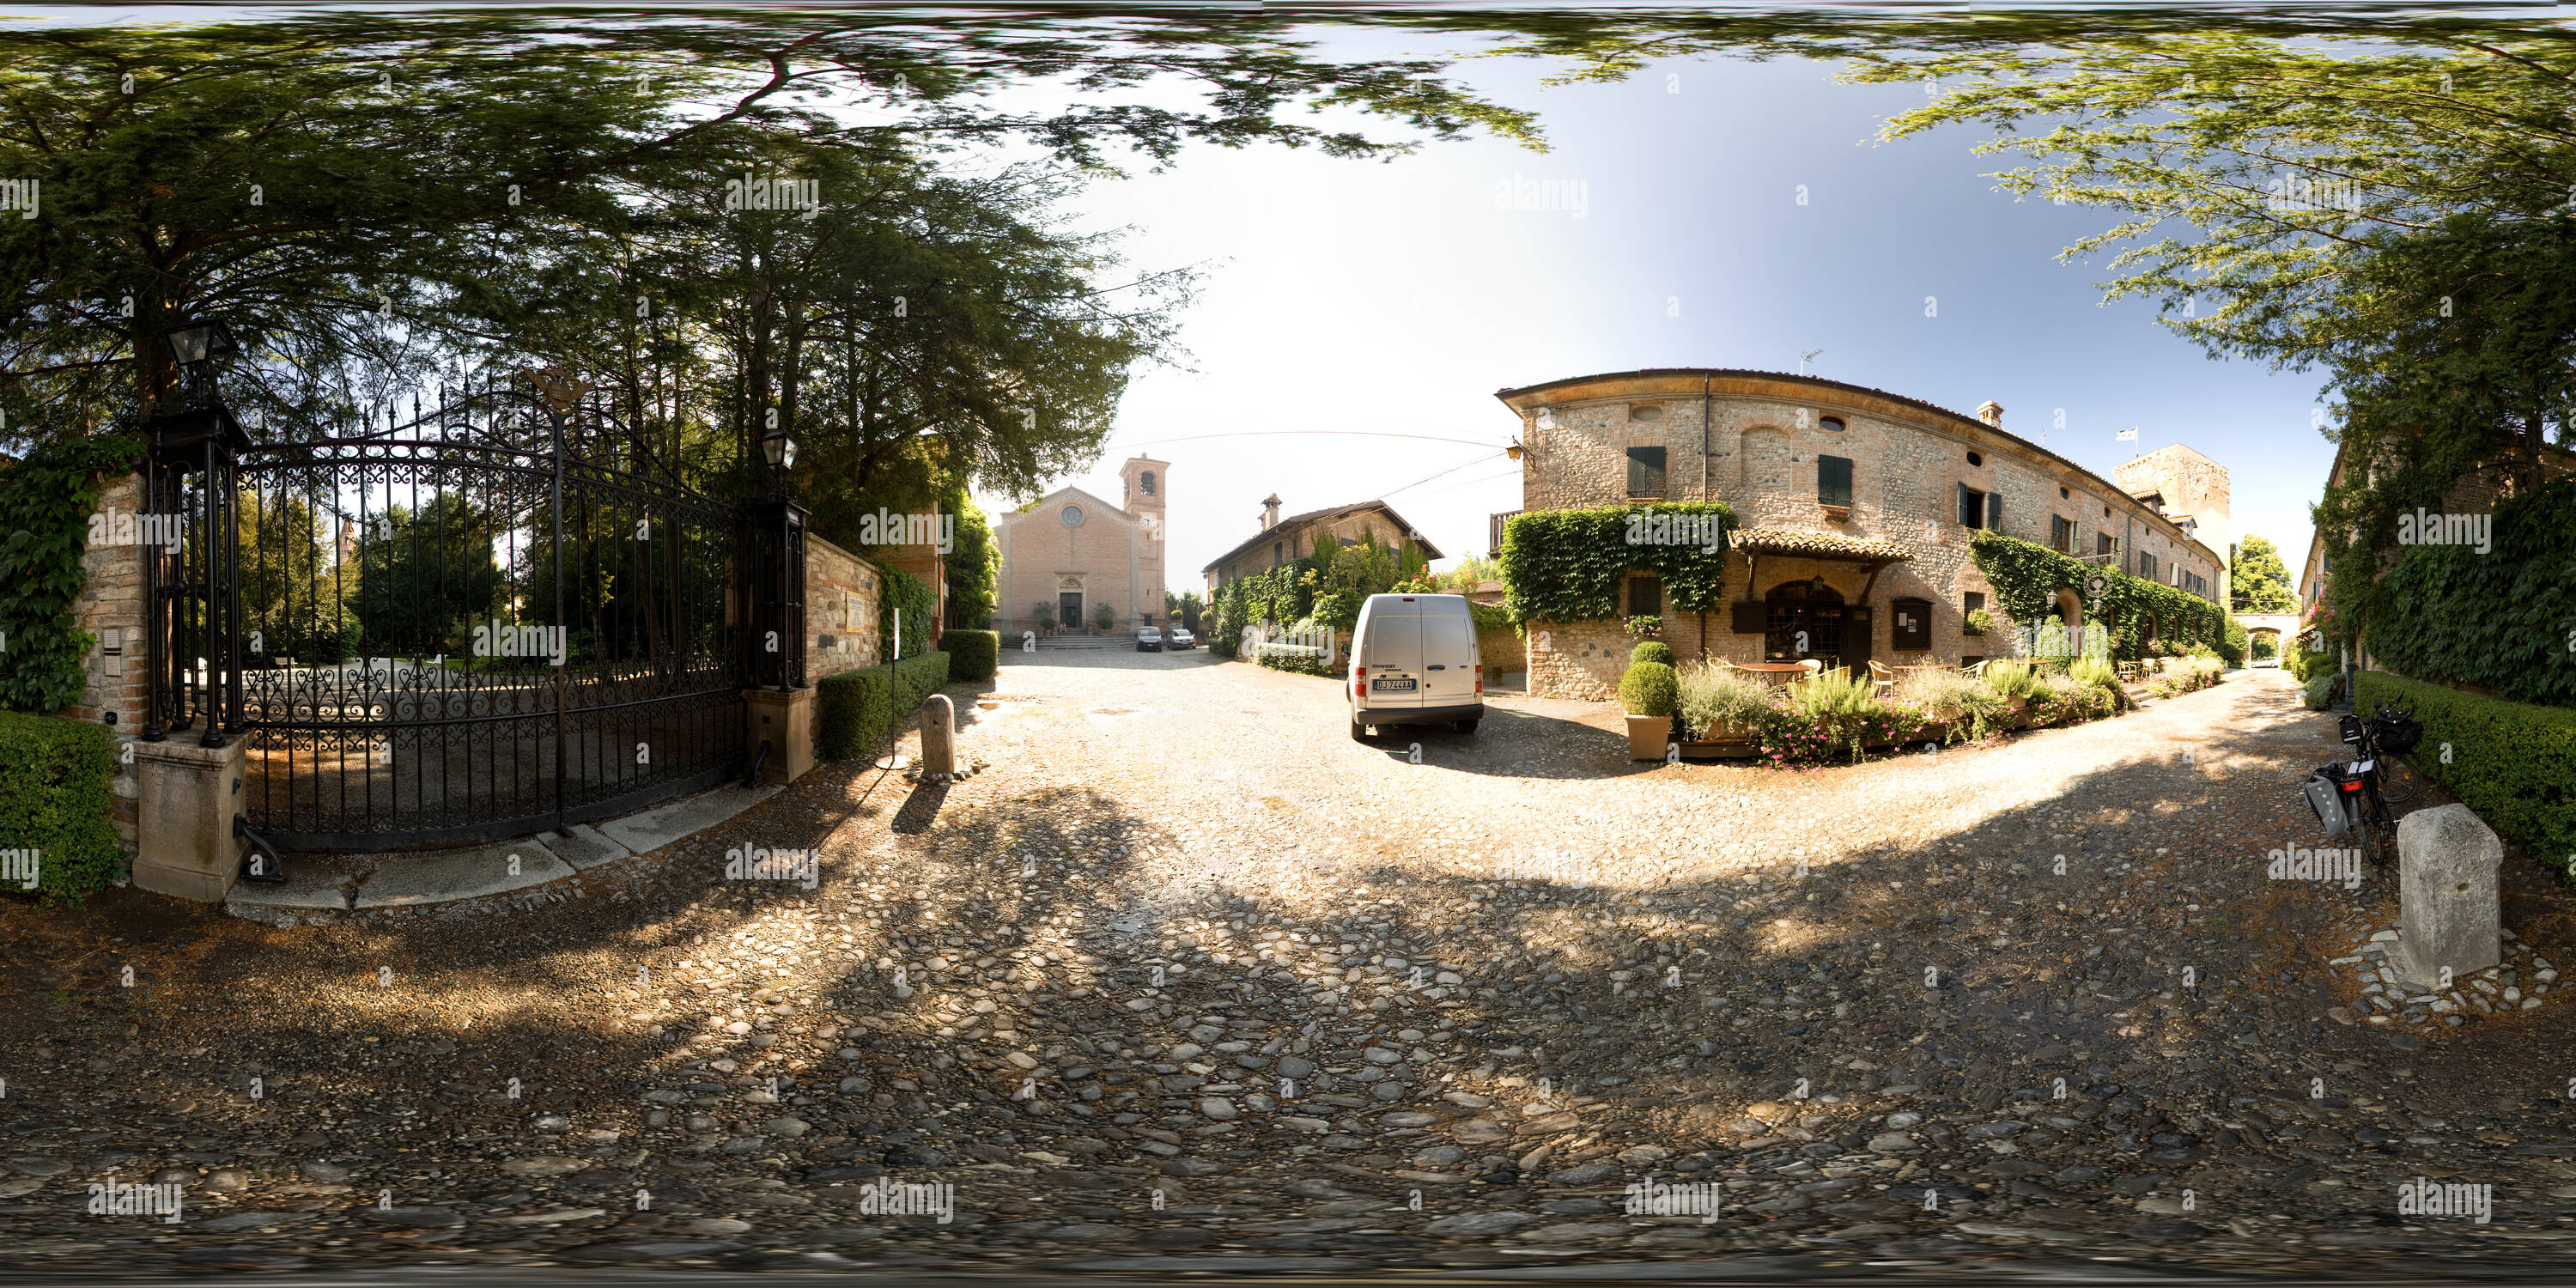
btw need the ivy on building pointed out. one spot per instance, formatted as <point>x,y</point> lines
<point>2026,577</point>
<point>46,500</point>
<point>910,596</point>
<point>1568,565</point>
<point>2503,620</point>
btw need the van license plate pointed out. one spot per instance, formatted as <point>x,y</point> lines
<point>1390,686</point>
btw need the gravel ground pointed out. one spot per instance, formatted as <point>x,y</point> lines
<point>1185,973</point>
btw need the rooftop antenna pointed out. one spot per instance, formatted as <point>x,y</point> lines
<point>1802,359</point>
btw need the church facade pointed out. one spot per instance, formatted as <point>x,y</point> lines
<point>1072,555</point>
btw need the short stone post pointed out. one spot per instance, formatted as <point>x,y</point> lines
<point>938,738</point>
<point>785,720</point>
<point>2447,863</point>
<point>189,795</point>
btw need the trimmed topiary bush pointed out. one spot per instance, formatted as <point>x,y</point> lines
<point>1649,689</point>
<point>972,655</point>
<point>1651,651</point>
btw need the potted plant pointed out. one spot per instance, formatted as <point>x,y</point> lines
<point>1649,693</point>
<point>1722,712</point>
<point>1979,622</point>
<point>2015,683</point>
<point>1646,626</point>
<point>1046,619</point>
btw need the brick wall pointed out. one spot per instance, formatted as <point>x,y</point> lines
<point>1103,557</point>
<point>842,592</point>
<point>110,608</point>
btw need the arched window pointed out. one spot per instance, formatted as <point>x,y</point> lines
<point>1145,480</point>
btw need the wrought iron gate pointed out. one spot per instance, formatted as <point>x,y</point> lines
<point>502,616</point>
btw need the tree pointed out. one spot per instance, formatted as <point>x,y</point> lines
<point>974,563</point>
<point>2258,582</point>
<point>371,197</point>
<point>426,577</point>
<point>1103,617</point>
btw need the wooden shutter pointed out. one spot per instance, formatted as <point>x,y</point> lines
<point>1645,471</point>
<point>1994,511</point>
<point>1968,515</point>
<point>1834,481</point>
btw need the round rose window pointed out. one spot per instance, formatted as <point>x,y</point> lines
<point>1073,516</point>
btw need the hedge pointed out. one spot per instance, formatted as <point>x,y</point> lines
<point>1567,565</point>
<point>2027,576</point>
<point>2512,762</point>
<point>1300,659</point>
<point>57,799</point>
<point>853,710</point>
<point>972,655</point>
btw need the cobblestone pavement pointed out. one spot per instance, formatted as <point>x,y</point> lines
<point>1187,979</point>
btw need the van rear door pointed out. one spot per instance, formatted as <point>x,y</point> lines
<point>1448,653</point>
<point>1391,649</point>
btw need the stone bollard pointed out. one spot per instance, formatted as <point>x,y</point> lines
<point>2447,899</point>
<point>938,738</point>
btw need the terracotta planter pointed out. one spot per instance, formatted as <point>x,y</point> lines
<point>1647,736</point>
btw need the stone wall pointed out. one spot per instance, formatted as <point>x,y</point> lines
<point>1764,434</point>
<point>1581,660</point>
<point>842,592</point>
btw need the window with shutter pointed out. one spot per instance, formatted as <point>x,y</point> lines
<point>1645,595</point>
<point>1972,507</point>
<point>2061,534</point>
<point>1834,481</point>
<point>1645,472</point>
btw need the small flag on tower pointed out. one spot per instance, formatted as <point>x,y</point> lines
<point>2129,435</point>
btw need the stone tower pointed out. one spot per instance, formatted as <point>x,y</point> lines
<point>1147,484</point>
<point>2193,486</point>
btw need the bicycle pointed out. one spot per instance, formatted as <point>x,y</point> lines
<point>2393,734</point>
<point>2348,796</point>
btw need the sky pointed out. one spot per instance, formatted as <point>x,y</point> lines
<point>1396,298</point>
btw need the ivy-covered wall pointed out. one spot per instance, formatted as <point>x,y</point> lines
<point>2026,577</point>
<point>45,504</point>
<point>2504,620</point>
<point>1567,565</point>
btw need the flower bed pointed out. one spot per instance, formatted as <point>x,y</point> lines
<point>1834,718</point>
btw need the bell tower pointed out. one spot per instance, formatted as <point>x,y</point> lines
<point>1148,483</point>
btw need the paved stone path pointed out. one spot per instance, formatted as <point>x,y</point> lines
<point>1189,974</point>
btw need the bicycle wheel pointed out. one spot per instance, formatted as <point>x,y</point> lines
<point>2397,779</point>
<point>2371,849</point>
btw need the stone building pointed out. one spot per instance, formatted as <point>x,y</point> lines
<point>1855,509</point>
<point>1279,540</point>
<point>1074,552</point>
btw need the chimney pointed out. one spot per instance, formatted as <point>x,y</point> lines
<point>1270,512</point>
<point>1992,413</point>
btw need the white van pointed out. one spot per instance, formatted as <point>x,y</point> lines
<point>1414,661</point>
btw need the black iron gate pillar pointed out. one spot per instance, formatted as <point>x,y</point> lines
<point>189,789</point>
<point>779,733</point>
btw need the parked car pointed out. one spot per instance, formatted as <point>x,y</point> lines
<point>1149,640</point>
<point>1414,661</point>
<point>1180,638</point>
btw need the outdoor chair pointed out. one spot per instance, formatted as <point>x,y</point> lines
<point>1885,677</point>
